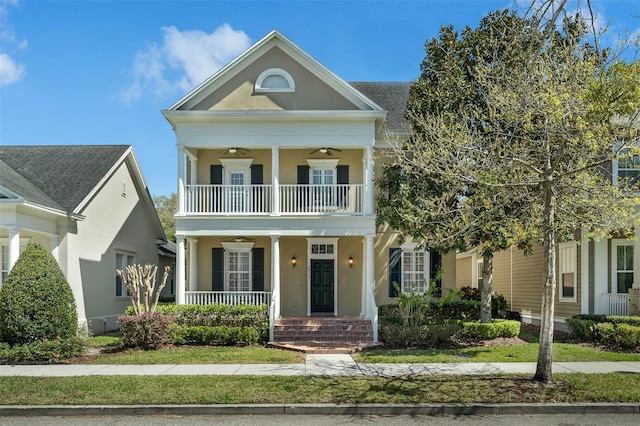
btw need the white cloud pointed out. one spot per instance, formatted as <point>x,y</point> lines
<point>10,71</point>
<point>183,60</point>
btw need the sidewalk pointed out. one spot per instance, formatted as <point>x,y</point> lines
<point>315,365</point>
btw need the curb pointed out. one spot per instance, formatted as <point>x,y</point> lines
<point>318,409</point>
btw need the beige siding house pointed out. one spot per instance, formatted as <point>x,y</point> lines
<point>90,205</point>
<point>276,161</point>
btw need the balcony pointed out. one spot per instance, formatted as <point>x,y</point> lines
<point>346,199</point>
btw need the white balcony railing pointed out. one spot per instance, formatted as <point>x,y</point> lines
<point>228,198</point>
<point>227,298</point>
<point>258,199</point>
<point>344,198</point>
<point>615,303</point>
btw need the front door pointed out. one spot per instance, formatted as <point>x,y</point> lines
<point>322,289</point>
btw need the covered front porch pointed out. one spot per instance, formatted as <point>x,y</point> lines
<point>296,276</point>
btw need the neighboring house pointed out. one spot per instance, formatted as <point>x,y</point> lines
<point>594,277</point>
<point>90,205</point>
<point>276,160</point>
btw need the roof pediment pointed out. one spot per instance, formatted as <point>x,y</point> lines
<point>232,88</point>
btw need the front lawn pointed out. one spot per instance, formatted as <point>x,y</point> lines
<point>136,390</point>
<point>562,352</point>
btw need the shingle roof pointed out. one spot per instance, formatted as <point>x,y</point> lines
<point>392,96</point>
<point>56,176</point>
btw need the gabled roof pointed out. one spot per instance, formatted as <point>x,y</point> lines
<point>58,177</point>
<point>274,38</point>
<point>392,96</point>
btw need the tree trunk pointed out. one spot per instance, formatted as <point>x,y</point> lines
<point>485,290</point>
<point>545,352</point>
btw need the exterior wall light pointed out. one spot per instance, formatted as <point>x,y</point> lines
<point>294,261</point>
<point>351,261</point>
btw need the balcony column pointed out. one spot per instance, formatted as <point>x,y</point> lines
<point>368,181</point>
<point>193,168</point>
<point>275,179</point>
<point>193,264</point>
<point>275,273</point>
<point>180,270</point>
<point>14,246</point>
<point>181,181</point>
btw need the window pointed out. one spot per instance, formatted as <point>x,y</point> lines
<point>4,258</point>
<point>622,265</point>
<point>415,269</point>
<point>567,271</point>
<point>122,261</point>
<point>275,80</point>
<point>627,168</point>
<point>237,266</point>
<point>323,182</point>
<point>479,266</point>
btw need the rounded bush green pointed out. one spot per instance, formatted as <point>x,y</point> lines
<point>36,301</point>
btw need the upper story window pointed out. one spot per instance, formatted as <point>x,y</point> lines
<point>275,80</point>
<point>627,168</point>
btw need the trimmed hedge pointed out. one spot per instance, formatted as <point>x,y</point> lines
<point>417,337</point>
<point>493,330</point>
<point>146,331</point>
<point>204,325</point>
<point>36,301</point>
<point>216,335</point>
<point>613,331</point>
<point>46,351</point>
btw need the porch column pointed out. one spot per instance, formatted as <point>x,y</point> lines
<point>14,246</point>
<point>363,296</point>
<point>275,180</point>
<point>180,270</point>
<point>636,260</point>
<point>53,247</point>
<point>371,286</point>
<point>275,274</point>
<point>193,168</point>
<point>193,264</point>
<point>181,181</point>
<point>584,272</point>
<point>368,182</point>
<point>600,274</point>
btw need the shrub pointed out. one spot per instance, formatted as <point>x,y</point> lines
<point>36,301</point>
<point>487,331</point>
<point>463,309</point>
<point>43,351</point>
<point>218,335</point>
<point>146,331</point>
<point>414,337</point>
<point>470,293</point>
<point>581,329</point>
<point>627,337</point>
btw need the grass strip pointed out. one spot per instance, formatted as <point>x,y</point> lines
<point>200,355</point>
<point>562,352</point>
<point>285,389</point>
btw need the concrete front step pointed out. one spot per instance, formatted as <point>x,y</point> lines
<point>323,347</point>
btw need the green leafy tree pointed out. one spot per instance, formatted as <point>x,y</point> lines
<point>36,301</point>
<point>532,158</point>
<point>166,208</point>
<point>427,202</point>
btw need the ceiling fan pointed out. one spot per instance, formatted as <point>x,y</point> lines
<point>235,150</point>
<point>326,150</point>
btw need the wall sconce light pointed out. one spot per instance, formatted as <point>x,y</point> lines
<point>233,150</point>
<point>294,261</point>
<point>350,261</point>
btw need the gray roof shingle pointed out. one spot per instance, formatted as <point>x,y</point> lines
<point>391,96</point>
<point>56,176</point>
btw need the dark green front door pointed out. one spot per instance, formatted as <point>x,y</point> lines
<point>322,286</point>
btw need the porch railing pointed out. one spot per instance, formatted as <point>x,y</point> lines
<point>227,297</point>
<point>615,303</point>
<point>258,199</point>
<point>347,198</point>
<point>228,198</point>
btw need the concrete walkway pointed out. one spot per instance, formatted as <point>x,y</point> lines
<point>315,365</point>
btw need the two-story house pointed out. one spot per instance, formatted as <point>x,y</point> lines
<point>276,163</point>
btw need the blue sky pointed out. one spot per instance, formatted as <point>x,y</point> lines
<point>100,72</point>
